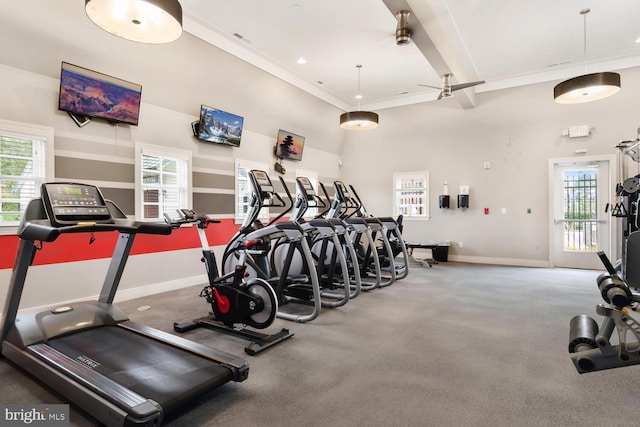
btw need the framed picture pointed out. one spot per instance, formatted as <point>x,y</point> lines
<point>289,146</point>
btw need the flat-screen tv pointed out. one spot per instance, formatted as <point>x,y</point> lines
<point>289,146</point>
<point>91,94</point>
<point>218,126</point>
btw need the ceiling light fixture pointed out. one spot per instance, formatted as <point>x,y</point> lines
<point>359,120</point>
<point>145,21</point>
<point>588,87</point>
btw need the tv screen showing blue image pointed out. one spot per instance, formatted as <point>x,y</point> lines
<point>219,127</point>
<point>92,94</point>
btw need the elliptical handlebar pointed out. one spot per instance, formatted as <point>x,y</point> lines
<point>327,204</point>
<point>287,207</point>
<point>361,209</point>
<point>345,201</point>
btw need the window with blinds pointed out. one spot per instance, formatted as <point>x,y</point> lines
<point>164,182</point>
<point>243,189</point>
<point>22,171</point>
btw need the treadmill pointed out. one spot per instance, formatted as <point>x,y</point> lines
<point>118,371</point>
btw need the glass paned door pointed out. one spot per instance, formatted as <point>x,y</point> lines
<point>580,225</point>
<point>580,210</point>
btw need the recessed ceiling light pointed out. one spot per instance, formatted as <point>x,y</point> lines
<point>358,96</point>
<point>301,61</point>
<point>638,40</point>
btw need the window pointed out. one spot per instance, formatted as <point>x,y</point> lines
<point>411,194</point>
<point>313,178</point>
<point>163,181</point>
<point>243,189</point>
<point>26,161</point>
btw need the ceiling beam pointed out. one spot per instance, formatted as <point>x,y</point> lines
<point>435,35</point>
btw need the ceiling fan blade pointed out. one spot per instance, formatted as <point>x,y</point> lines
<point>466,85</point>
<point>440,96</point>
<point>433,87</point>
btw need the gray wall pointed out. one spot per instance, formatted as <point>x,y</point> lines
<point>518,130</point>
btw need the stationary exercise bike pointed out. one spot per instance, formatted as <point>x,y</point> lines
<point>233,300</point>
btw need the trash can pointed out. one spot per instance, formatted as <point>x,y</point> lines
<point>441,253</point>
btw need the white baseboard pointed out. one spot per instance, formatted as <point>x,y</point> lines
<point>500,261</point>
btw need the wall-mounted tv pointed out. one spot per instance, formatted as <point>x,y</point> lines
<point>219,127</point>
<point>89,93</point>
<point>289,146</point>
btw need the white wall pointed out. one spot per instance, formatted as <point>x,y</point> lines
<point>517,130</point>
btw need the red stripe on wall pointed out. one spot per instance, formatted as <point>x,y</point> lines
<point>76,247</point>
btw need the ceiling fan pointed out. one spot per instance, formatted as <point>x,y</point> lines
<point>447,88</point>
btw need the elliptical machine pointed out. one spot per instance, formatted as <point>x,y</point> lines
<point>330,247</point>
<point>393,241</point>
<point>305,286</point>
<point>349,210</point>
<point>233,300</point>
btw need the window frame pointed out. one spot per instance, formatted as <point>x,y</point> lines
<point>415,182</point>
<point>178,154</point>
<point>34,132</point>
<point>238,193</point>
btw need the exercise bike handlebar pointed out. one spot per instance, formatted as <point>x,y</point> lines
<point>189,216</point>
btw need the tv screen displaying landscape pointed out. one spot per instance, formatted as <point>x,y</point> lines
<point>219,126</point>
<point>92,94</point>
<point>289,145</point>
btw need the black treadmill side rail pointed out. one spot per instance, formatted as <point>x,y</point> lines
<point>84,386</point>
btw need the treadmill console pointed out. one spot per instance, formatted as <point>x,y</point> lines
<point>70,204</point>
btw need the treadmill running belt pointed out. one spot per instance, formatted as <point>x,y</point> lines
<point>154,370</point>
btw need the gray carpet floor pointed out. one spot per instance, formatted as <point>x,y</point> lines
<point>453,345</point>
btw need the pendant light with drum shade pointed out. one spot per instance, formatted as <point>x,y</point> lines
<point>359,120</point>
<point>588,87</point>
<point>144,21</point>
